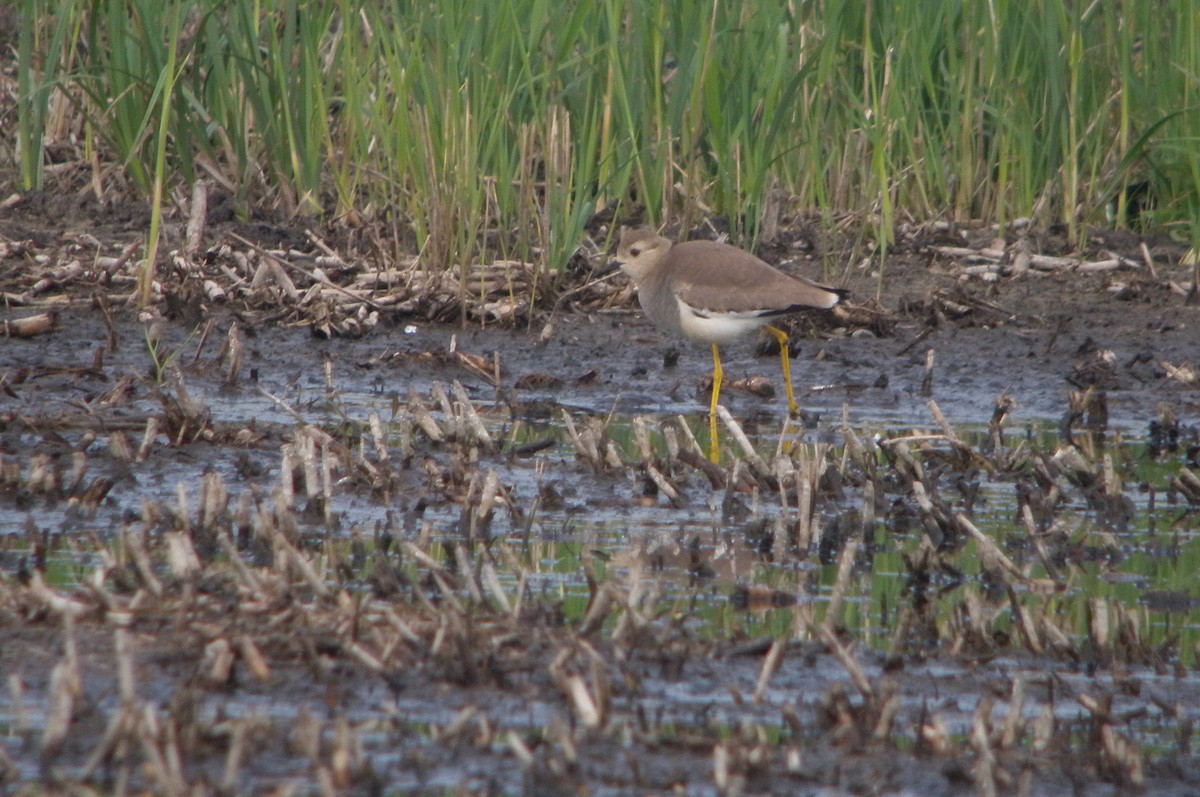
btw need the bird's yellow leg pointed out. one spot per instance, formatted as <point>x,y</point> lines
<point>714,451</point>
<point>782,337</point>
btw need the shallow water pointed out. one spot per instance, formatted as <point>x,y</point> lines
<point>695,552</point>
<point>564,518</point>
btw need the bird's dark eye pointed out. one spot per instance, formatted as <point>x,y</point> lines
<point>635,251</point>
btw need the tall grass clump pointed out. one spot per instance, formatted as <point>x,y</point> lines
<point>478,129</point>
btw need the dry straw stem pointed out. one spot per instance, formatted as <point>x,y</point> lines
<point>750,455</point>
<point>989,551</point>
<point>848,662</point>
<point>833,615</point>
<point>30,326</point>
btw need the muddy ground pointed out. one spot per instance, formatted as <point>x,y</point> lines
<point>233,669</point>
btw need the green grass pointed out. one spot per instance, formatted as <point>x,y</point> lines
<point>522,118</point>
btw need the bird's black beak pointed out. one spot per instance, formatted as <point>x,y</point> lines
<point>613,265</point>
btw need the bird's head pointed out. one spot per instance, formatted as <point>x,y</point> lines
<point>641,251</point>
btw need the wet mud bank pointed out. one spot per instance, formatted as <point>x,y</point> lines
<point>493,558</point>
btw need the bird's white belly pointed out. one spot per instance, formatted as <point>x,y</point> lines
<point>716,327</point>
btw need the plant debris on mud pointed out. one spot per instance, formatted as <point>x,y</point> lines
<point>310,594</point>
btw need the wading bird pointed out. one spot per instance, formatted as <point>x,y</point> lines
<point>715,293</point>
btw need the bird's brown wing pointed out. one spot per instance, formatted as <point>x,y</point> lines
<point>723,279</point>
